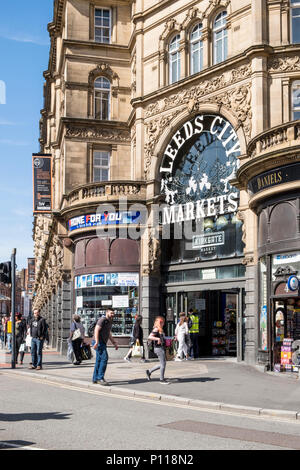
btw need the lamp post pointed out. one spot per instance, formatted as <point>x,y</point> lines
<point>13,307</point>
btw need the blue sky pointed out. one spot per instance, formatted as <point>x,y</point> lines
<point>24,54</point>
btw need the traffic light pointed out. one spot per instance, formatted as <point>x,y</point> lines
<point>5,272</point>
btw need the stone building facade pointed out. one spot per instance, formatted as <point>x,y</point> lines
<point>139,95</point>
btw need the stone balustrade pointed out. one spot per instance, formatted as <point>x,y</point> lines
<point>104,192</point>
<point>276,139</point>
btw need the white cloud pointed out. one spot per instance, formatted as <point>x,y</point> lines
<point>14,142</point>
<point>25,39</point>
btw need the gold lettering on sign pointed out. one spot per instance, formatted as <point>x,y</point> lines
<point>268,180</point>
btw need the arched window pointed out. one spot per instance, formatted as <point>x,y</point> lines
<point>295,21</point>
<point>296,100</point>
<point>196,49</point>
<point>174,60</point>
<point>220,37</point>
<point>102,98</point>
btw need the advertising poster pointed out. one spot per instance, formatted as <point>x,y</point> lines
<point>120,301</point>
<point>99,280</point>
<point>42,183</point>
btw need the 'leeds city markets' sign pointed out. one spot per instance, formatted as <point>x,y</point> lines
<point>197,167</point>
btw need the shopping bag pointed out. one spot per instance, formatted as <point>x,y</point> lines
<point>22,348</point>
<point>28,341</point>
<point>86,352</point>
<point>70,353</point>
<point>137,350</point>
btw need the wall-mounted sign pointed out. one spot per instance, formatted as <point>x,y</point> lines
<point>42,183</point>
<point>293,283</point>
<point>275,177</point>
<point>107,279</point>
<point>209,239</point>
<point>105,218</point>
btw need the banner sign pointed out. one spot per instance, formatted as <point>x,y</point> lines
<point>42,183</point>
<point>275,177</point>
<point>107,279</point>
<point>105,218</point>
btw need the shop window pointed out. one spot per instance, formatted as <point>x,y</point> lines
<point>101,166</point>
<point>220,38</point>
<point>102,25</point>
<point>94,293</point>
<point>263,339</point>
<point>102,90</point>
<point>295,21</point>
<point>174,59</point>
<point>196,49</point>
<point>296,97</point>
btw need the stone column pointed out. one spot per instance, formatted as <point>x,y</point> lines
<point>66,308</point>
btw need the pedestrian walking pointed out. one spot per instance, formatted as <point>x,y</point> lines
<point>20,337</point>
<point>181,335</point>
<point>102,335</point>
<point>2,333</point>
<point>137,338</point>
<point>77,333</point>
<point>37,333</point>
<point>8,333</point>
<point>194,335</point>
<point>158,337</point>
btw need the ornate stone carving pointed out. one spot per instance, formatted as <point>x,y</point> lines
<point>153,131</point>
<point>115,135</point>
<point>284,64</point>
<point>197,92</point>
<point>154,252</point>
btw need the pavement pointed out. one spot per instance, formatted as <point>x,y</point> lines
<point>207,383</point>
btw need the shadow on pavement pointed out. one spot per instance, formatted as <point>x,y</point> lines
<point>10,417</point>
<point>15,444</point>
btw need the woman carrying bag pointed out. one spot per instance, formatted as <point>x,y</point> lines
<point>158,337</point>
<point>136,340</point>
<point>76,337</point>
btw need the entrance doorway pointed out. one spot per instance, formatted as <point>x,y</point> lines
<point>220,319</point>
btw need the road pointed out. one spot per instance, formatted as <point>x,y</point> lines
<point>36,414</point>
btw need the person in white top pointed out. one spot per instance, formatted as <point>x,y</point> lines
<point>181,335</point>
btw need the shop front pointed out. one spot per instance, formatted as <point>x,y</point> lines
<point>279,266</point>
<point>106,275</point>
<point>202,237</point>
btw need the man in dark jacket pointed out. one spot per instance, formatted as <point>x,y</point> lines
<point>38,330</point>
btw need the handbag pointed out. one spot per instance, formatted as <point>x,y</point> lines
<point>137,350</point>
<point>76,334</point>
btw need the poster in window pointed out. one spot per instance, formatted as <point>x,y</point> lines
<point>42,183</point>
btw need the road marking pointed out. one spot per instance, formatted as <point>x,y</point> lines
<point>107,394</point>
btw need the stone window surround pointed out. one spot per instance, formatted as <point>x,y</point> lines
<point>103,70</point>
<point>113,33</point>
<point>185,32</point>
<point>93,147</point>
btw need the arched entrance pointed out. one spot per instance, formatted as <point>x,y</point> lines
<point>202,247</point>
